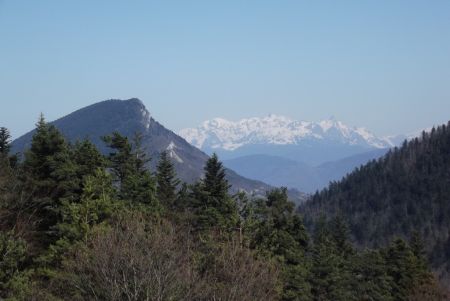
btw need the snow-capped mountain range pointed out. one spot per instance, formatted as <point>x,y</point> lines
<point>282,151</point>
<point>222,134</point>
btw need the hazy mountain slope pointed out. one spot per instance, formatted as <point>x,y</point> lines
<point>407,190</point>
<point>276,171</point>
<point>131,116</point>
<point>334,171</point>
<point>279,171</point>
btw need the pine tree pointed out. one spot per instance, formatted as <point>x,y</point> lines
<point>87,158</point>
<point>321,232</point>
<point>215,182</point>
<point>129,165</point>
<point>400,264</point>
<point>5,142</point>
<point>4,153</point>
<point>281,233</point>
<point>77,218</point>
<point>424,282</point>
<point>167,181</point>
<point>370,281</point>
<point>183,197</point>
<point>340,236</point>
<point>50,173</point>
<point>327,278</point>
<point>14,281</point>
<point>121,158</point>
<point>417,246</point>
<point>331,271</point>
<point>96,204</point>
<point>212,205</point>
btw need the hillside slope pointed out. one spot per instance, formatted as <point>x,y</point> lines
<point>129,117</point>
<point>279,171</point>
<point>407,190</point>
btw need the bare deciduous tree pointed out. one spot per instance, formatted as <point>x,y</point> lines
<point>236,274</point>
<point>139,260</point>
<point>133,261</point>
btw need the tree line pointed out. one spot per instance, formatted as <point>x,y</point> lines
<point>404,192</point>
<point>78,225</point>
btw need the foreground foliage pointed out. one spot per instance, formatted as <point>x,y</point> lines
<point>75,225</point>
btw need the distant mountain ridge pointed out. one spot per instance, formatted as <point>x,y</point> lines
<point>312,143</point>
<point>279,171</point>
<point>299,154</point>
<point>220,133</point>
<point>129,117</point>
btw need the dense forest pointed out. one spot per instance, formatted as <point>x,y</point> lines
<point>78,225</point>
<point>405,192</point>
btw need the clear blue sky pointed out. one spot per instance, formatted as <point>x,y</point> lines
<point>384,65</point>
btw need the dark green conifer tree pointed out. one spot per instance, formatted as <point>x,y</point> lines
<point>215,182</point>
<point>370,281</point>
<point>417,247</point>
<point>330,276</point>
<point>50,173</point>
<point>129,165</point>
<point>340,236</point>
<point>281,233</point>
<point>96,204</point>
<point>183,195</point>
<point>5,146</point>
<point>212,205</point>
<point>338,270</point>
<point>121,158</point>
<point>5,142</point>
<point>167,181</point>
<point>87,158</point>
<point>400,262</point>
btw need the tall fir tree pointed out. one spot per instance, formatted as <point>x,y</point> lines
<point>370,281</point>
<point>167,181</point>
<point>121,158</point>
<point>281,233</point>
<point>5,142</point>
<point>87,158</point>
<point>8,183</point>
<point>128,163</point>
<point>331,270</point>
<point>50,173</point>
<point>340,236</point>
<point>215,182</point>
<point>96,204</point>
<point>213,206</point>
<point>5,148</point>
<point>400,261</point>
<point>418,247</point>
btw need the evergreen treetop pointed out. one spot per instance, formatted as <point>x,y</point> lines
<point>5,142</point>
<point>167,181</point>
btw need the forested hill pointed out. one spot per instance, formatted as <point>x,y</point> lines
<point>405,191</point>
<point>129,117</point>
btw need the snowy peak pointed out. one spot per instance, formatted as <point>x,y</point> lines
<point>172,154</point>
<point>220,133</point>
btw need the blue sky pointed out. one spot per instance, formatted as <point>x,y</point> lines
<point>384,65</point>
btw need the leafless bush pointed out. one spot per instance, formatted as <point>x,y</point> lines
<point>139,260</point>
<point>133,261</point>
<point>237,275</point>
